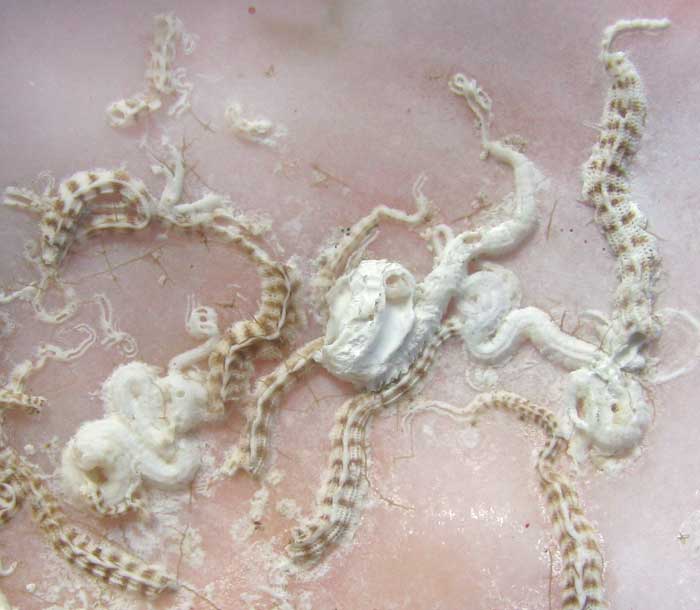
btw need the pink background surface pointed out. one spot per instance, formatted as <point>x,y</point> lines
<point>361,88</point>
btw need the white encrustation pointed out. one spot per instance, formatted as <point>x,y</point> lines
<point>143,436</point>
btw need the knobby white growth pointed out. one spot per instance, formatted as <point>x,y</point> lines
<point>606,405</point>
<point>372,312</point>
<point>494,329</point>
<point>380,318</point>
<point>384,328</point>
<point>143,434</point>
<point>609,411</point>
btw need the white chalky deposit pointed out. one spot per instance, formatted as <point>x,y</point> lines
<point>140,437</point>
<point>138,440</point>
<point>380,320</point>
<point>371,315</point>
<point>609,411</point>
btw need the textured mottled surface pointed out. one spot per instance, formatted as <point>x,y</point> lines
<point>358,99</point>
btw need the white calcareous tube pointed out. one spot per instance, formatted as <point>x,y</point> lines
<point>98,465</point>
<point>371,315</point>
<point>139,439</point>
<point>609,412</point>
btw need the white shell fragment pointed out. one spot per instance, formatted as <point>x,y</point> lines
<point>371,316</point>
